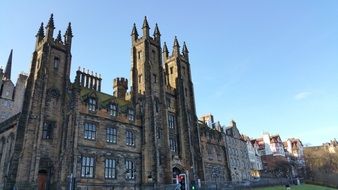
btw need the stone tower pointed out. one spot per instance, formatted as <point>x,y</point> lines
<point>40,146</point>
<point>178,77</point>
<point>148,94</point>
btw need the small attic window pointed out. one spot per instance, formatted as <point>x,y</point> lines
<point>92,104</point>
<point>112,109</point>
<point>131,115</point>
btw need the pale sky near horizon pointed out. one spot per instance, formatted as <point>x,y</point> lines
<point>269,65</point>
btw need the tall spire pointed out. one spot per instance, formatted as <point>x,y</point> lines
<point>51,21</point>
<point>185,50</point>
<point>176,48</point>
<point>165,48</point>
<point>134,33</point>
<point>69,31</point>
<point>58,38</point>
<point>157,31</point>
<point>41,32</point>
<point>50,27</point>
<point>165,51</point>
<point>145,27</point>
<point>68,34</point>
<point>8,69</point>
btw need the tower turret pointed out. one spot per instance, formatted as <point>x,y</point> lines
<point>157,34</point>
<point>185,51</point>
<point>40,35</point>
<point>176,47</point>
<point>68,35</point>
<point>120,86</point>
<point>134,34</point>
<point>58,38</point>
<point>165,52</point>
<point>8,69</point>
<point>50,28</point>
<point>145,28</point>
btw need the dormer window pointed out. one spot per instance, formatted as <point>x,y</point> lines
<point>131,115</point>
<point>92,104</point>
<point>113,110</point>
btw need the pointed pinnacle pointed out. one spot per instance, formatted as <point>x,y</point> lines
<point>185,49</point>
<point>145,23</point>
<point>69,30</point>
<point>134,30</point>
<point>58,38</point>
<point>8,68</point>
<point>41,32</point>
<point>157,31</point>
<point>51,22</point>
<point>176,44</point>
<point>165,48</point>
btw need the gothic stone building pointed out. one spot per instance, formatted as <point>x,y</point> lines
<point>11,96</point>
<point>71,133</point>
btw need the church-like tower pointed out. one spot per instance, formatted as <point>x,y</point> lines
<point>42,129</point>
<point>148,94</point>
<point>185,132</point>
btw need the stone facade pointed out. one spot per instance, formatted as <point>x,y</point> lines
<point>295,151</point>
<point>213,151</point>
<point>254,157</point>
<point>11,96</point>
<point>71,133</point>
<point>237,154</point>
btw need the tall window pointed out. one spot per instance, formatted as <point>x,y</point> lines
<point>171,120</point>
<point>130,170</point>
<point>111,136</point>
<point>92,104</point>
<point>113,110</point>
<point>155,78</point>
<point>140,78</point>
<point>139,54</point>
<point>131,115</point>
<point>90,131</point>
<point>56,62</point>
<point>173,145</point>
<point>47,130</point>
<point>87,167</point>
<point>156,105</point>
<point>129,138</point>
<point>110,169</point>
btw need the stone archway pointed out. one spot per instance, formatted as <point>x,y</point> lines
<point>42,180</point>
<point>176,171</point>
<point>44,174</point>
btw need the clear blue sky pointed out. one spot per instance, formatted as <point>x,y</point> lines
<point>269,65</point>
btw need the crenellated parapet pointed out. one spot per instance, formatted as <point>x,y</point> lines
<point>88,79</point>
<point>120,86</point>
